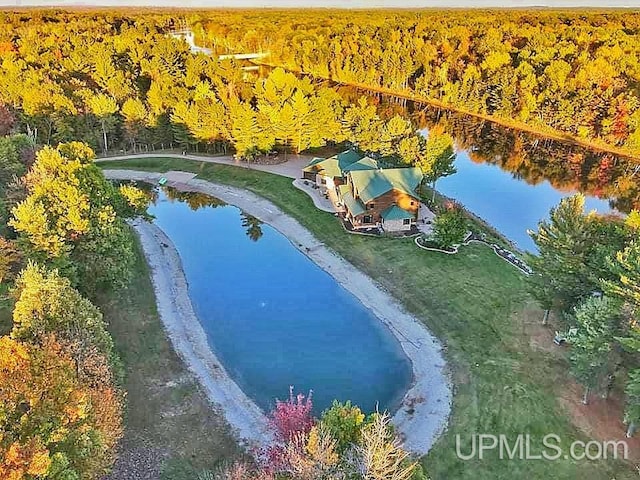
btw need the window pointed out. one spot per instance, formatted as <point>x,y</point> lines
<point>406,221</point>
<point>367,219</point>
<point>371,205</point>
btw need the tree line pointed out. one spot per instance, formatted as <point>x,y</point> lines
<point>117,81</point>
<point>588,272</point>
<point>573,72</point>
<point>63,238</point>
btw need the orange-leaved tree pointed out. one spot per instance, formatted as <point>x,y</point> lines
<point>51,424</point>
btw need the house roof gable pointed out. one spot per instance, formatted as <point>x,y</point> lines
<point>396,213</point>
<point>371,184</point>
<point>364,163</point>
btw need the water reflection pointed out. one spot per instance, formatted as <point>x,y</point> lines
<point>512,178</point>
<point>253,226</point>
<point>195,200</point>
<point>198,200</point>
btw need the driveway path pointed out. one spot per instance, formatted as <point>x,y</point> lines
<point>292,168</point>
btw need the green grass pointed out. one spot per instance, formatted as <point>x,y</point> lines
<point>475,303</point>
<point>167,417</point>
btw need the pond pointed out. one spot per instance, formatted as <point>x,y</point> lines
<point>273,317</point>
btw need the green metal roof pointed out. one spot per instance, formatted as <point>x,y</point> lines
<point>313,162</point>
<point>346,158</point>
<point>405,179</point>
<point>325,166</point>
<point>336,165</point>
<point>371,184</point>
<point>365,163</point>
<point>354,206</point>
<point>396,213</point>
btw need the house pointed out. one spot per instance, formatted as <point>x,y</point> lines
<point>329,172</point>
<point>372,197</point>
<point>384,197</point>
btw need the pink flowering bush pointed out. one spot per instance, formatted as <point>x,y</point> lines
<point>292,417</point>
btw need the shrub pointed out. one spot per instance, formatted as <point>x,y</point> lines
<point>344,422</point>
<point>379,455</point>
<point>293,416</point>
<point>449,227</point>
<point>370,448</point>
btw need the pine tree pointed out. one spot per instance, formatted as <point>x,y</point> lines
<point>561,276</point>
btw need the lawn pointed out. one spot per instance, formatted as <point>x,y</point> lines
<point>476,304</point>
<point>171,431</point>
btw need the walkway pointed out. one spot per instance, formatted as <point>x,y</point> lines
<point>292,168</point>
<point>320,201</point>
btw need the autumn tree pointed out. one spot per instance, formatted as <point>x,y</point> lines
<point>292,416</point>
<point>364,126</point>
<point>52,425</point>
<point>46,303</point>
<point>247,135</point>
<point>135,116</point>
<point>72,218</point>
<point>379,453</point>
<point>103,107</point>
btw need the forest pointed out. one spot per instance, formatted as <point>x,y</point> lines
<point>140,89</point>
<point>575,73</point>
<point>77,83</point>
<point>62,401</point>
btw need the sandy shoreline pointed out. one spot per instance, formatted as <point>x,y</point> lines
<point>425,409</point>
<point>190,340</point>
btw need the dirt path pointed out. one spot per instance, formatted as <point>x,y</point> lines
<point>426,406</point>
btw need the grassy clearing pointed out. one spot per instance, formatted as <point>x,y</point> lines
<point>171,431</point>
<point>477,304</point>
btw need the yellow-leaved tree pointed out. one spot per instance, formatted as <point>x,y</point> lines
<point>73,218</point>
<point>52,425</point>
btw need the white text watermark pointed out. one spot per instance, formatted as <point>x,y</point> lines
<point>525,447</point>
